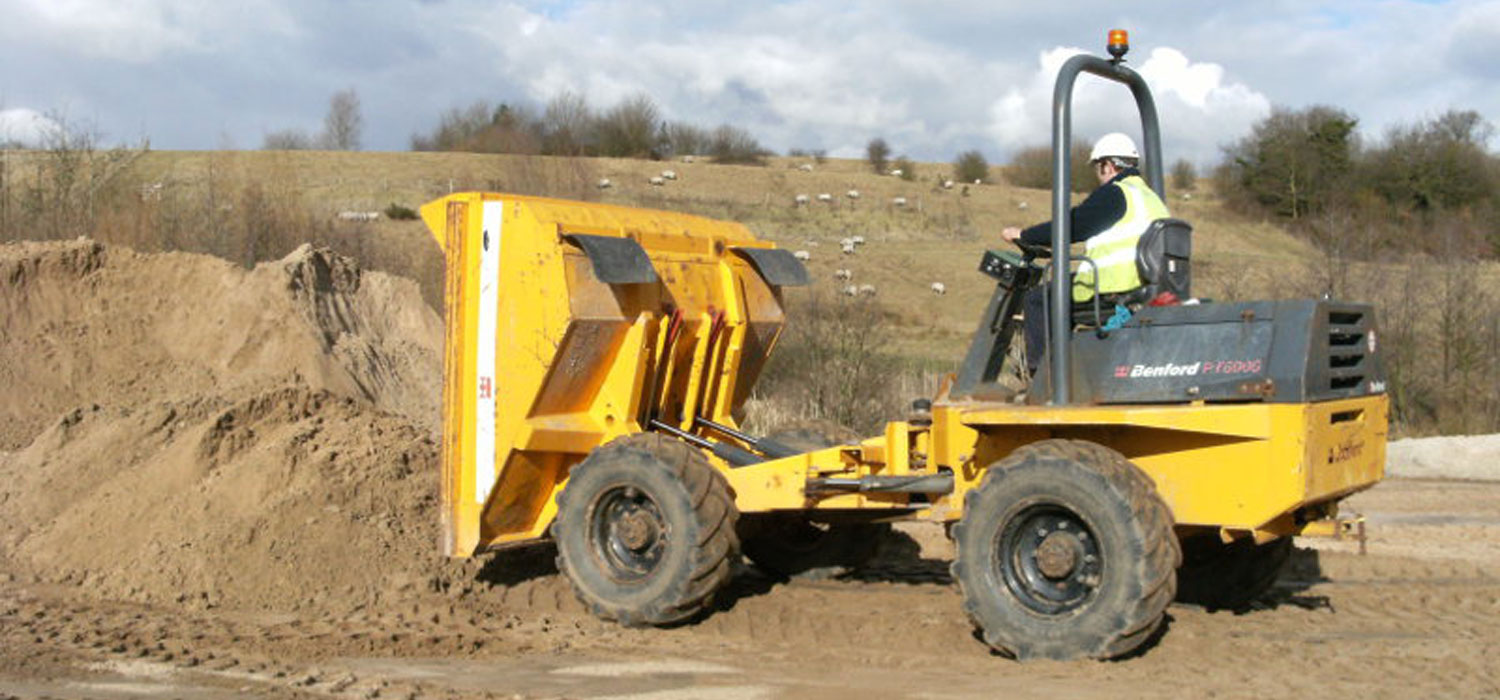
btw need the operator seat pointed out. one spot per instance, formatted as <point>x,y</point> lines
<point>1163,259</point>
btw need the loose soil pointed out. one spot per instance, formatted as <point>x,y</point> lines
<point>221,482</point>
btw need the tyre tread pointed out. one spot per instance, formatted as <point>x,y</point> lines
<point>1155,571</point>
<point>717,544</point>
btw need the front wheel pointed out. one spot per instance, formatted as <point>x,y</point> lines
<point>645,531</point>
<point>1065,550</point>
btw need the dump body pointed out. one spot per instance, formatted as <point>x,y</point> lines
<point>570,324</point>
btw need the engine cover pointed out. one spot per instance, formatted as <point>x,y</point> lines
<point>1273,351</point>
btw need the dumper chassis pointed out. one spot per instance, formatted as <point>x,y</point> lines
<point>597,359</point>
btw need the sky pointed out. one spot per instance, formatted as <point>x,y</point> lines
<point>932,77</point>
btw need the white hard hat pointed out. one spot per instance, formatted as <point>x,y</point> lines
<point>1114,145</point>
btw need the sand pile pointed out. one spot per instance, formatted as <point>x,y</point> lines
<point>181,429</point>
<point>1472,457</point>
<point>84,324</point>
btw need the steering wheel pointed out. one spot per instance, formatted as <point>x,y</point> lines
<point>1033,251</point>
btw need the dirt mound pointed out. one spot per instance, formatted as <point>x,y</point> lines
<point>253,438</point>
<point>291,498</point>
<point>1472,457</point>
<point>82,324</point>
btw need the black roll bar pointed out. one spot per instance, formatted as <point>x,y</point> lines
<point>1062,136</point>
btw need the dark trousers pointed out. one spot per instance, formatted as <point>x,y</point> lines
<point>1034,310</point>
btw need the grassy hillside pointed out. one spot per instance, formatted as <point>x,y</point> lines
<point>1442,339</point>
<point>937,236</point>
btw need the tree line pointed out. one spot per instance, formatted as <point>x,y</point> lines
<point>569,126</point>
<point>1428,187</point>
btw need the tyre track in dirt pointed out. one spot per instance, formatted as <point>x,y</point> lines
<point>1398,628</point>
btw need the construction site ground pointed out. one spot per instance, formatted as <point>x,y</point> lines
<point>240,501</point>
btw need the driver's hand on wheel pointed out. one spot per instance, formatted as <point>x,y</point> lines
<point>1011,233</point>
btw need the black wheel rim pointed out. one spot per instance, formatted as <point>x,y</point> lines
<point>1049,558</point>
<point>627,533</point>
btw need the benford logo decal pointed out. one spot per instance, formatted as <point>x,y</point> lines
<point>1345,451</point>
<point>1166,370</point>
<point>1190,369</point>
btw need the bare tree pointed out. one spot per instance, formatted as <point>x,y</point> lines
<point>567,123</point>
<point>343,126</point>
<point>878,152</point>
<point>684,139</point>
<point>732,144</point>
<point>970,166</point>
<point>287,140</point>
<point>629,129</point>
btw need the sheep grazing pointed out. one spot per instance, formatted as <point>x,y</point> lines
<point>939,288</point>
<point>852,194</point>
<point>947,184</point>
<point>802,200</point>
<point>825,197</point>
<point>846,248</point>
<point>805,167</point>
<point>605,184</point>
<point>802,255</point>
<point>687,159</point>
<point>898,201</point>
<point>843,274</point>
<point>669,174</point>
<point>857,240</point>
<point>867,290</point>
<point>851,290</point>
<point>1023,206</point>
<point>897,172</point>
<point>658,181</point>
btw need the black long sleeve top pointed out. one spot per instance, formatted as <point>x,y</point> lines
<point>1094,215</point>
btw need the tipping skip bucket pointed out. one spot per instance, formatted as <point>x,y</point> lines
<point>569,324</point>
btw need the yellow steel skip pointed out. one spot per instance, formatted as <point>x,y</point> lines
<point>544,361</point>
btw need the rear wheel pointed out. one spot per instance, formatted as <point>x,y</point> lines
<point>645,531</point>
<point>1065,551</point>
<point>1231,576</point>
<point>790,544</point>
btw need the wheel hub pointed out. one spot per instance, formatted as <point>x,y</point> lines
<point>1057,555</point>
<point>628,533</point>
<point>1049,558</point>
<point>636,530</point>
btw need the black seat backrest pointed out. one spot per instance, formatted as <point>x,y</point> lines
<point>1164,258</point>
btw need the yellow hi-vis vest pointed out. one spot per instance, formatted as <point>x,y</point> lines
<point>1113,250</point>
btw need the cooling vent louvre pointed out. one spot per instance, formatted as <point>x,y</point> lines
<point>1348,348</point>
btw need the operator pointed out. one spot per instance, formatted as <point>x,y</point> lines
<point>1109,222</point>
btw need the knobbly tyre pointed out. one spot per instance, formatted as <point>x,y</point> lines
<point>597,358</point>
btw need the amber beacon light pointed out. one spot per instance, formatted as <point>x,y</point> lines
<point>1119,43</point>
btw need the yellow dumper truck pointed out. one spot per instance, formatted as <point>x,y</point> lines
<point>598,357</point>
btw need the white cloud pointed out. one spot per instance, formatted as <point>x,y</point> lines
<point>25,126</point>
<point>932,78</point>
<point>1198,109</point>
<point>140,31</point>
